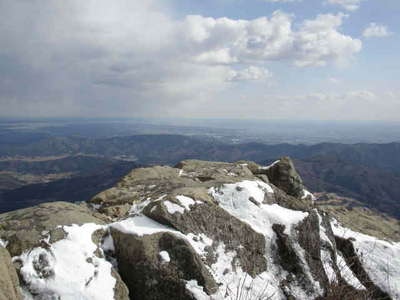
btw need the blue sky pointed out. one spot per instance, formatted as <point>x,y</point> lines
<point>251,59</point>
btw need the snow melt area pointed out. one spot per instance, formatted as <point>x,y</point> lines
<point>69,269</point>
<point>244,200</point>
<point>380,259</point>
<point>165,256</point>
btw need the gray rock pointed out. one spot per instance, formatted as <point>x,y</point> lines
<point>216,223</point>
<point>148,276</point>
<point>9,282</point>
<point>153,182</point>
<point>25,228</point>
<point>284,176</point>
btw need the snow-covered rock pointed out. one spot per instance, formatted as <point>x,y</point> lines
<point>201,230</point>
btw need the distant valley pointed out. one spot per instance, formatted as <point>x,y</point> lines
<point>76,168</point>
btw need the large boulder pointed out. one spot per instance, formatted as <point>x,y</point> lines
<point>25,229</point>
<point>159,265</point>
<point>9,282</point>
<point>200,215</point>
<point>283,175</point>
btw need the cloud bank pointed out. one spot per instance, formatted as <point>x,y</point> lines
<point>133,58</point>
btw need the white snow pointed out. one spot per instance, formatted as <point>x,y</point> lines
<point>235,281</point>
<point>327,262</point>
<point>3,243</point>
<point>328,267</point>
<point>380,259</point>
<point>347,273</point>
<point>77,272</point>
<point>306,194</point>
<point>108,243</point>
<point>161,197</point>
<point>140,225</point>
<point>185,201</point>
<point>267,167</point>
<point>165,256</point>
<point>197,290</point>
<point>138,207</point>
<point>199,242</point>
<point>173,208</point>
<point>234,198</point>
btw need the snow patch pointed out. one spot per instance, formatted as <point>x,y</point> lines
<point>165,257</point>
<point>199,242</point>
<point>380,259</point>
<point>234,198</point>
<point>173,208</point>
<point>140,225</point>
<point>138,207</point>
<point>197,290</point>
<point>327,263</point>
<point>185,201</point>
<point>267,167</point>
<point>69,269</point>
<point>3,243</point>
<point>306,194</point>
<point>108,243</point>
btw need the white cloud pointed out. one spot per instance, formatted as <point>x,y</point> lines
<point>350,5</point>
<point>319,42</point>
<point>227,41</point>
<point>132,58</point>
<point>250,73</point>
<point>376,30</point>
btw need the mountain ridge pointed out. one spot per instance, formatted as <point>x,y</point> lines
<point>200,230</point>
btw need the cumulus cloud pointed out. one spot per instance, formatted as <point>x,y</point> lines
<point>376,30</point>
<point>250,73</point>
<point>132,58</point>
<point>350,5</point>
<point>226,41</point>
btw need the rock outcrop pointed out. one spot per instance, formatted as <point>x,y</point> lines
<point>283,175</point>
<point>55,241</point>
<point>199,230</point>
<point>157,266</point>
<point>9,282</point>
<point>25,228</point>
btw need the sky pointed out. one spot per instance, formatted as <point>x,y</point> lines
<point>244,59</point>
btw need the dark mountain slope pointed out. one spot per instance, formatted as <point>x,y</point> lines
<point>376,188</point>
<point>79,188</point>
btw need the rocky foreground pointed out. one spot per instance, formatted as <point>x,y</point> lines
<point>200,230</point>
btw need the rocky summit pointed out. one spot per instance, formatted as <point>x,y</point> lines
<point>199,230</point>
